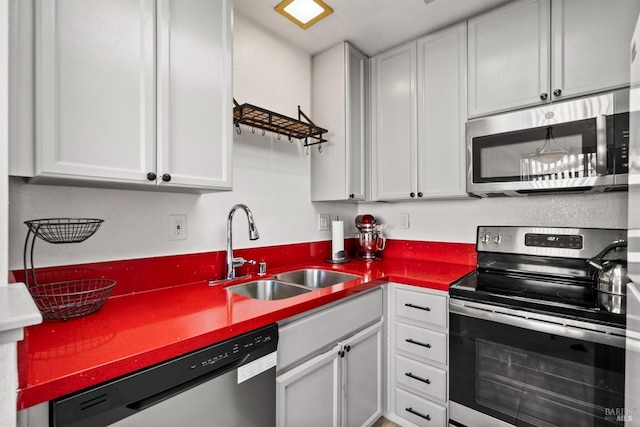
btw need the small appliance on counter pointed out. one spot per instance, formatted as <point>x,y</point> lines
<point>370,240</point>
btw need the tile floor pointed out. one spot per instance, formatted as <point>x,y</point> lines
<point>383,422</point>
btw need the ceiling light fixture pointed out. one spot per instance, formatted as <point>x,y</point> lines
<point>304,13</point>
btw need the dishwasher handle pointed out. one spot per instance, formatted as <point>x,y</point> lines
<point>180,388</point>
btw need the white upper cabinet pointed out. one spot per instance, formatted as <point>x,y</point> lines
<point>395,123</point>
<point>95,89</point>
<point>134,93</point>
<point>442,113</point>
<point>590,47</point>
<point>339,77</point>
<point>535,51</point>
<point>419,106</point>
<point>195,131</point>
<point>509,57</point>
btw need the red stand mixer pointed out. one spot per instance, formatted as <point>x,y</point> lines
<point>370,240</point>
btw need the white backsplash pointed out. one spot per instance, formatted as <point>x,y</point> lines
<point>457,220</point>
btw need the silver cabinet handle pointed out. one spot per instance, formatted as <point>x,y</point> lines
<point>414,412</point>
<point>415,377</point>
<point>601,145</point>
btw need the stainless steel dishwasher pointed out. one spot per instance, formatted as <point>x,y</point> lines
<point>228,384</point>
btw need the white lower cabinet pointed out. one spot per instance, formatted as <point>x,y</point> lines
<point>341,386</point>
<point>309,394</point>
<point>417,393</point>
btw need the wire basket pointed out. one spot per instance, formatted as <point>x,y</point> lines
<point>64,230</point>
<point>74,298</point>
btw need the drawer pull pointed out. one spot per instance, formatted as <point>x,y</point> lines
<point>411,341</point>
<point>417,306</point>
<point>415,377</point>
<point>414,412</point>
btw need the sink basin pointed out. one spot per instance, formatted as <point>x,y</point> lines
<point>268,290</point>
<point>315,278</point>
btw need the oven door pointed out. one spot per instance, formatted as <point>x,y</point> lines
<point>529,369</point>
<point>565,146</point>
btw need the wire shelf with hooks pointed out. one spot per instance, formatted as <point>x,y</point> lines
<point>69,298</point>
<point>260,118</point>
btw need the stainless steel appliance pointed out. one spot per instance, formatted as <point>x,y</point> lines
<point>631,412</point>
<point>573,146</point>
<point>231,383</point>
<point>370,240</point>
<point>529,343</point>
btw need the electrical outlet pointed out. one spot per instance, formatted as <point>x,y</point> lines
<point>177,227</point>
<point>405,221</point>
<point>324,222</point>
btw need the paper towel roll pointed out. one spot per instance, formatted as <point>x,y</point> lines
<point>337,239</point>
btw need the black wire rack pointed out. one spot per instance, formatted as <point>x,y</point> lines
<point>69,298</point>
<point>260,118</point>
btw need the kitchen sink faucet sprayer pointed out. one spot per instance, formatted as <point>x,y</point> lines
<point>233,263</point>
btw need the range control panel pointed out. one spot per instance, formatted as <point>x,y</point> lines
<point>554,240</point>
<point>566,242</point>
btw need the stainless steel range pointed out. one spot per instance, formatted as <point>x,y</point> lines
<point>531,343</point>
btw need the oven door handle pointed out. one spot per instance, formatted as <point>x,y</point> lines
<point>569,328</point>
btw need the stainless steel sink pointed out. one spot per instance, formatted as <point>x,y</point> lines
<point>315,277</point>
<point>268,290</point>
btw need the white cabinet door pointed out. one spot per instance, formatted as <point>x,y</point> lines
<point>442,113</point>
<point>395,129</point>
<point>509,57</point>
<point>591,45</point>
<point>309,395</point>
<point>356,123</point>
<point>95,89</point>
<point>338,105</point>
<point>134,92</point>
<point>194,94</point>
<point>362,377</point>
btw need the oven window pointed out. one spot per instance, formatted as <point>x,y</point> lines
<point>529,378</point>
<point>561,151</point>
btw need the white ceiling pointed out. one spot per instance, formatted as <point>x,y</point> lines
<point>372,26</point>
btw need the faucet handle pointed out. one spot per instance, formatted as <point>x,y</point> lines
<point>239,262</point>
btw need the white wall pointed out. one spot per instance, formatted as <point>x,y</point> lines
<point>271,176</point>
<point>457,220</point>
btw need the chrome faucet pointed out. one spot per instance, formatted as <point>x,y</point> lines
<point>233,263</point>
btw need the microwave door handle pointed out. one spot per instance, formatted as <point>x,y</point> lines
<point>601,145</point>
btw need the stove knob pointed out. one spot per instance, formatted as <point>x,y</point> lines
<point>497,239</point>
<point>485,238</point>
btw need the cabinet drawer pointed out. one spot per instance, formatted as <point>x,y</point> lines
<point>421,379</point>
<point>428,345</point>
<point>419,411</point>
<point>422,307</point>
<point>318,331</point>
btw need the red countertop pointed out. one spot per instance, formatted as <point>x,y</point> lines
<point>140,328</point>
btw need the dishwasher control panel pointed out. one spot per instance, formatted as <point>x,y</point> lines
<point>223,352</point>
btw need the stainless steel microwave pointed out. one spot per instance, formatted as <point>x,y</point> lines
<point>574,146</point>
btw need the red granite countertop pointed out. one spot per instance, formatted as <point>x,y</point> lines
<point>138,329</point>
